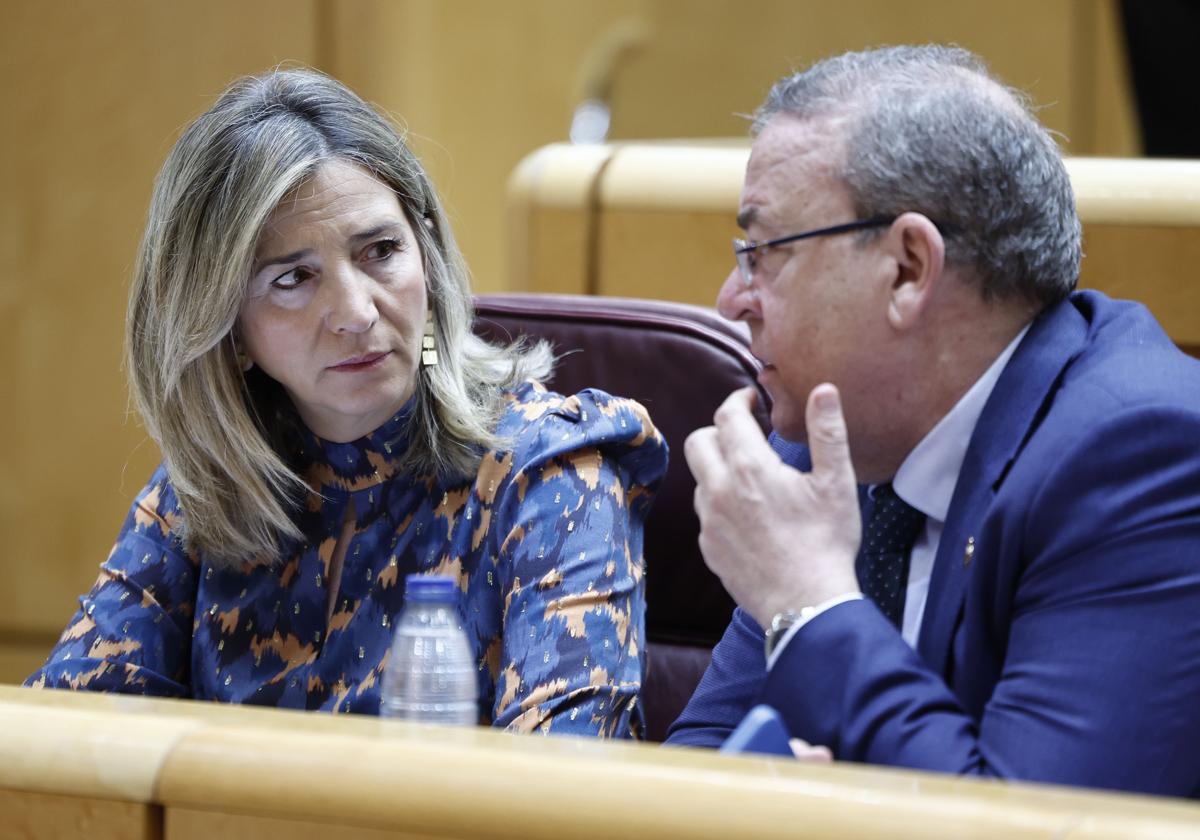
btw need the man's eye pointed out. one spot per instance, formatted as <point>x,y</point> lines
<point>382,249</point>
<point>291,279</point>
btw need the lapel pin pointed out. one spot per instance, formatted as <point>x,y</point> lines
<point>969,552</point>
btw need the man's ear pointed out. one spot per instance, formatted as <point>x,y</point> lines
<point>919,251</point>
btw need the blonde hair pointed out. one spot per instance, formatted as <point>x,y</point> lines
<point>224,435</point>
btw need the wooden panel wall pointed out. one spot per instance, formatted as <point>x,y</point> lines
<point>482,84</point>
<point>96,92</point>
<point>29,815</point>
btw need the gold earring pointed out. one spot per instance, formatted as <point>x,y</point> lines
<point>429,353</point>
<point>243,361</point>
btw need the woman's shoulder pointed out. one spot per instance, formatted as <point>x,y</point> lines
<point>155,511</point>
<point>538,423</point>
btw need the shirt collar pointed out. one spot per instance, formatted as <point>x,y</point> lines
<point>927,477</point>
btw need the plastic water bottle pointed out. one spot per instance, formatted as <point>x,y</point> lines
<point>430,675</point>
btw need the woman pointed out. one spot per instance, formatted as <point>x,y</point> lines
<point>299,344</point>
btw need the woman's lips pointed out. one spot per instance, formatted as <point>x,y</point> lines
<point>366,361</point>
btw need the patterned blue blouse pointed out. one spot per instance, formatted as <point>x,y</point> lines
<point>546,544</point>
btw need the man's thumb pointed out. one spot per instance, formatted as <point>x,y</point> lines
<point>827,438</point>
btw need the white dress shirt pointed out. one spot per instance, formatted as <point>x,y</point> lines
<point>926,481</point>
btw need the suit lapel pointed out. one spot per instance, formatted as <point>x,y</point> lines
<point>1012,412</point>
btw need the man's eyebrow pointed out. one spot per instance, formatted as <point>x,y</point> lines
<point>746,217</point>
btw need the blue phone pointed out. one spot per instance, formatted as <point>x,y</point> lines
<point>762,730</point>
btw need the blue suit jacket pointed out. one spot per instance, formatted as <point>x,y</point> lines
<point>1066,646</point>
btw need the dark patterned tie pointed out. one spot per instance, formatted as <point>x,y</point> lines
<point>882,564</point>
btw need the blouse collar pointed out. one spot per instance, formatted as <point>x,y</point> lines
<point>362,463</point>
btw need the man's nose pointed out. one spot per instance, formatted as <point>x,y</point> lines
<point>351,301</point>
<point>737,300</point>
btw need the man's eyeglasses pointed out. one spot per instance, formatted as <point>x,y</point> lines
<point>746,251</point>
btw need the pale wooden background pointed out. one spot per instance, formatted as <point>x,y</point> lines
<point>95,92</point>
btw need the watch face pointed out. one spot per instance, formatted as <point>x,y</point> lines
<point>782,621</point>
<point>778,629</point>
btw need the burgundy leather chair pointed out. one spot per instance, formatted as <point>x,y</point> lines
<point>680,362</point>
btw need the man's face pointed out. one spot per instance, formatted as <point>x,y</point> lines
<point>814,307</point>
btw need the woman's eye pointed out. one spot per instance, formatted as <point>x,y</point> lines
<point>382,249</point>
<point>291,279</point>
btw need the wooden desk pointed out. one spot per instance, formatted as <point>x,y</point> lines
<point>103,766</point>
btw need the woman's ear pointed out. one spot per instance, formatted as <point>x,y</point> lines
<point>919,252</point>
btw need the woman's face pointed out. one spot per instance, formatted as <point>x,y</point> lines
<point>336,304</point>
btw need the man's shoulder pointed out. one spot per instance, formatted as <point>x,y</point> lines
<point>1120,402</point>
<point>1094,380</point>
<point>1127,359</point>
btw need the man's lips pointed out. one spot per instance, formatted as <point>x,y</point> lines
<point>361,362</point>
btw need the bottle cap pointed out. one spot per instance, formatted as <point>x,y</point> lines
<point>438,588</point>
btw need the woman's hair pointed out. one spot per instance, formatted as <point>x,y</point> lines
<point>225,435</point>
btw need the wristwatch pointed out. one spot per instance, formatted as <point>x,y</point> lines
<point>780,625</point>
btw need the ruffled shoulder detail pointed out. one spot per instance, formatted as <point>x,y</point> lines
<point>540,425</point>
<point>155,512</point>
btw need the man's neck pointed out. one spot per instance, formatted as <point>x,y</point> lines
<point>963,340</point>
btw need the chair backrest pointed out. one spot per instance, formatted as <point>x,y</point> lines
<point>680,362</point>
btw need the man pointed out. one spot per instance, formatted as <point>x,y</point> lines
<point>1030,455</point>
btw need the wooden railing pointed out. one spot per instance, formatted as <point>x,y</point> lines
<point>103,766</point>
<point>655,220</point>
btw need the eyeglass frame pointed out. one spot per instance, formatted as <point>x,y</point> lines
<point>743,247</point>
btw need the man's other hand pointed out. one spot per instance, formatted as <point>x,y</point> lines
<point>806,752</point>
<point>778,538</point>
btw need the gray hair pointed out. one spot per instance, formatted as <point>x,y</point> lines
<point>225,436</point>
<point>929,130</point>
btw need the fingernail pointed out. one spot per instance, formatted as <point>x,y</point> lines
<point>827,402</point>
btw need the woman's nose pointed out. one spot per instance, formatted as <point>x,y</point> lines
<point>737,301</point>
<point>351,305</point>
